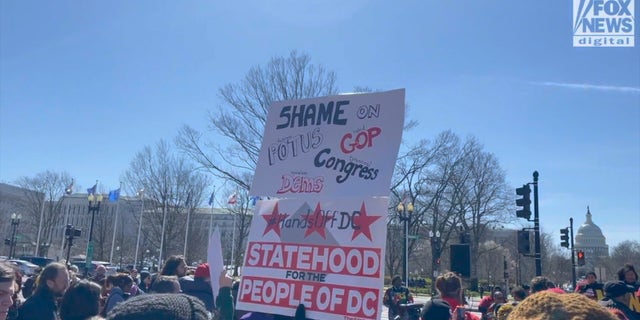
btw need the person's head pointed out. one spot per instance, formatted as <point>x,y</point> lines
<point>133,273</point>
<point>518,293</point>
<point>628,274</point>
<point>123,281</point>
<point>202,272</point>
<point>7,288</point>
<point>101,270</point>
<point>548,305</point>
<point>539,284</point>
<point>159,306</point>
<point>53,278</point>
<point>498,297</point>
<point>73,268</point>
<point>174,266</point>
<point>590,277</point>
<point>166,284</point>
<point>145,277</point>
<point>396,281</point>
<point>436,309</point>
<point>81,301</point>
<point>449,285</point>
<point>618,291</point>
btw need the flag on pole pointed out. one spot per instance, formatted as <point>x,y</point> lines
<point>114,195</point>
<point>69,189</point>
<point>211,198</point>
<point>232,199</point>
<point>93,189</point>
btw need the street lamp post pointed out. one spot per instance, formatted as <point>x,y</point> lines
<point>404,214</point>
<point>94,207</point>
<point>436,249</point>
<point>15,222</point>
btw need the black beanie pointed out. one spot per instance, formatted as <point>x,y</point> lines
<point>160,306</point>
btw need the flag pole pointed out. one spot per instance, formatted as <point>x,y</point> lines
<point>141,193</point>
<point>186,234</point>
<point>211,203</point>
<point>44,200</point>
<point>115,225</point>
<point>164,221</point>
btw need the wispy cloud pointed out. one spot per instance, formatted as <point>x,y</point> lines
<point>584,86</point>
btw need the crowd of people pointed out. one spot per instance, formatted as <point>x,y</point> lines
<point>542,299</point>
<point>60,292</point>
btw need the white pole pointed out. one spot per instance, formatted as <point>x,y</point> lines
<point>164,220</point>
<point>213,200</point>
<point>186,234</point>
<point>141,193</point>
<point>44,200</point>
<point>233,242</point>
<point>115,227</point>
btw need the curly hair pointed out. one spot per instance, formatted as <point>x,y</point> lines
<point>449,285</point>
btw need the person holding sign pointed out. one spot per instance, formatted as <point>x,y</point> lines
<point>395,296</point>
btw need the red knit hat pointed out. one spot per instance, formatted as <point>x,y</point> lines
<point>202,271</point>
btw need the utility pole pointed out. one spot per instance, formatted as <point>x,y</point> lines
<point>573,257</point>
<point>536,227</point>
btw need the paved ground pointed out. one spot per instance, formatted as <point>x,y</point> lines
<point>473,305</point>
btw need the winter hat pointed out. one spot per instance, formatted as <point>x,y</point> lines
<point>202,271</point>
<point>436,309</point>
<point>160,306</point>
<point>613,289</point>
<point>547,305</point>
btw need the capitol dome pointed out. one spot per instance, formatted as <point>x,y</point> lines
<point>590,239</point>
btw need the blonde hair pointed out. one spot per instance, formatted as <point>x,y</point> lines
<point>547,305</point>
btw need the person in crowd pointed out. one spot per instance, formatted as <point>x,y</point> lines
<point>550,305</point>
<point>629,276</point>
<point>28,286</point>
<point>395,296</point>
<point>590,286</point>
<point>81,301</point>
<point>539,284</point>
<point>199,286</point>
<point>449,286</point>
<point>122,283</point>
<point>7,289</point>
<point>135,276</point>
<point>487,301</point>
<point>498,300</point>
<point>616,298</point>
<point>145,281</point>
<point>436,309</point>
<point>51,285</point>
<point>166,284</point>
<point>174,266</point>
<point>17,302</point>
<point>518,293</point>
<point>224,301</point>
<point>101,274</point>
<point>160,306</point>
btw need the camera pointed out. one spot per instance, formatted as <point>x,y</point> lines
<point>72,232</point>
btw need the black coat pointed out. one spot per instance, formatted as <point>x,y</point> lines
<point>197,287</point>
<point>40,306</point>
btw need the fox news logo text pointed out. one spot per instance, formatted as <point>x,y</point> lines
<point>603,23</point>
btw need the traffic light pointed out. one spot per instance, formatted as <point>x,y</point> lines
<point>564,236</point>
<point>581,258</point>
<point>524,202</point>
<point>524,244</point>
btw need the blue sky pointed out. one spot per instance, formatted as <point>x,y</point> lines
<point>86,85</point>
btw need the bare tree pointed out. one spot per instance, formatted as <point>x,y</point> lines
<point>241,122</point>
<point>49,187</point>
<point>172,188</point>
<point>457,188</point>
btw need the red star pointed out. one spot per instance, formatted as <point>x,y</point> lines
<point>362,223</point>
<point>316,222</point>
<point>273,220</point>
